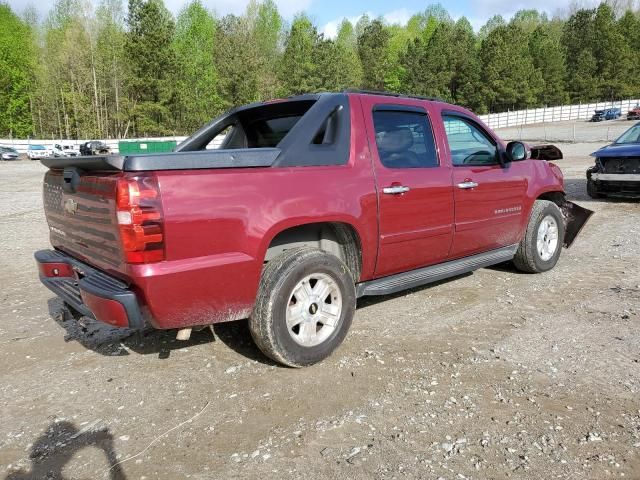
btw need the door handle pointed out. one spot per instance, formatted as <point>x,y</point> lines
<point>395,190</point>
<point>467,185</point>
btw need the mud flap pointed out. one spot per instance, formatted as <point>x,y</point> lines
<point>575,218</point>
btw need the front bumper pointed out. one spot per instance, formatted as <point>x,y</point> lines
<point>626,185</point>
<point>88,290</point>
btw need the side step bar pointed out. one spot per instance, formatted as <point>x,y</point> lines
<point>415,278</point>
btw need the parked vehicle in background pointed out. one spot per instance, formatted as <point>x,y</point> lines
<point>607,114</point>
<point>37,152</point>
<point>617,169</point>
<point>307,204</point>
<point>8,153</point>
<point>94,147</point>
<point>65,150</point>
<point>634,113</point>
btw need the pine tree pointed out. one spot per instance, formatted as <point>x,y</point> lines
<point>267,31</point>
<point>347,56</point>
<point>373,45</point>
<point>548,57</point>
<point>509,78</point>
<point>152,63</point>
<point>465,85</point>
<point>196,96</point>
<point>237,61</point>
<point>298,62</point>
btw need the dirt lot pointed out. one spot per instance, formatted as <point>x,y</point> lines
<point>493,375</point>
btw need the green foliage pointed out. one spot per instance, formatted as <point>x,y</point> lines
<point>548,58</point>
<point>17,61</point>
<point>195,96</point>
<point>373,45</point>
<point>297,67</point>
<point>509,79</point>
<point>237,62</point>
<point>92,71</point>
<point>152,63</point>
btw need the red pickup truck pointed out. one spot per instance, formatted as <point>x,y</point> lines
<point>285,212</point>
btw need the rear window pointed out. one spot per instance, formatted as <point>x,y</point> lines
<point>264,126</point>
<point>269,132</point>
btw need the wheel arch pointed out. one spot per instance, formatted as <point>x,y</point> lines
<point>555,196</point>
<point>339,238</point>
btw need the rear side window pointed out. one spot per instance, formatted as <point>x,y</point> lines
<point>404,139</point>
<point>469,145</point>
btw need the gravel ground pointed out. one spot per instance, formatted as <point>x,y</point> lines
<point>489,376</point>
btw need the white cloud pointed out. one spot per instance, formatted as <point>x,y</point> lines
<point>400,17</point>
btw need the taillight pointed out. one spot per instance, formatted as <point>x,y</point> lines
<point>139,212</point>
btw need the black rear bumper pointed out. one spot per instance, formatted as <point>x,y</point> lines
<point>77,284</point>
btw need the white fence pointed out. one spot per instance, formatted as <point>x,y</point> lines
<point>553,114</point>
<point>22,145</point>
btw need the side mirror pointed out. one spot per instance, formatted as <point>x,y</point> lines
<point>517,151</point>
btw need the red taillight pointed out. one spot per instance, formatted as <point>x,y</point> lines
<point>139,212</point>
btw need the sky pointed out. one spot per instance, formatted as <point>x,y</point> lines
<point>327,14</point>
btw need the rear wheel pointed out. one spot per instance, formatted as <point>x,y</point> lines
<point>541,246</point>
<point>304,307</point>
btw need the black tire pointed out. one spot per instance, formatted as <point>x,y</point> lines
<point>592,190</point>
<point>279,278</point>
<point>528,258</point>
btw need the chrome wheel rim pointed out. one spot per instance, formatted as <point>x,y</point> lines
<point>313,310</point>
<point>547,243</point>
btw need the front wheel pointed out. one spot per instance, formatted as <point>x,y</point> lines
<point>540,248</point>
<point>304,308</point>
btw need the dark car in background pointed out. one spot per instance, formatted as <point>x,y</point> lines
<point>606,114</point>
<point>8,153</point>
<point>617,169</point>
<point>94,147</point>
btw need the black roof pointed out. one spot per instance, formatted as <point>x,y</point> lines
<point>393,94</point>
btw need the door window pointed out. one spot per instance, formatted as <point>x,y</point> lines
<point>404,139</point>
<point>469,145</point>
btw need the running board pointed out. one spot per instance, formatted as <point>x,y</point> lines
<point>415,278</point>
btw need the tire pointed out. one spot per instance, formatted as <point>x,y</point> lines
<point>291,279</point>
<point>592,191</point>
<point>529,258</point>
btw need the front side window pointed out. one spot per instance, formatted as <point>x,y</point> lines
<point>404,139</point>
<point>469,145</point>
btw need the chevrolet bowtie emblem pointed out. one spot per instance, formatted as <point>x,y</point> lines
<point>70,206</point>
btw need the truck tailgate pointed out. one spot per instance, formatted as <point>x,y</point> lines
<point>82,221</point>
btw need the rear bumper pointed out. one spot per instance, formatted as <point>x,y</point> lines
<point>89,291</point>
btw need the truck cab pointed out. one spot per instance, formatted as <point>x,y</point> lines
<point>285,212</point>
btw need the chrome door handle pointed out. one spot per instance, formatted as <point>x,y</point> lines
<point>467,185</point>
<point>395,190</point>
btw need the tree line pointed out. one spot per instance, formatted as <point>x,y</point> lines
<point>100,71</point>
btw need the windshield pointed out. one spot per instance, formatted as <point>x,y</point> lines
<point>36,147</point>
<point>630,136</point>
